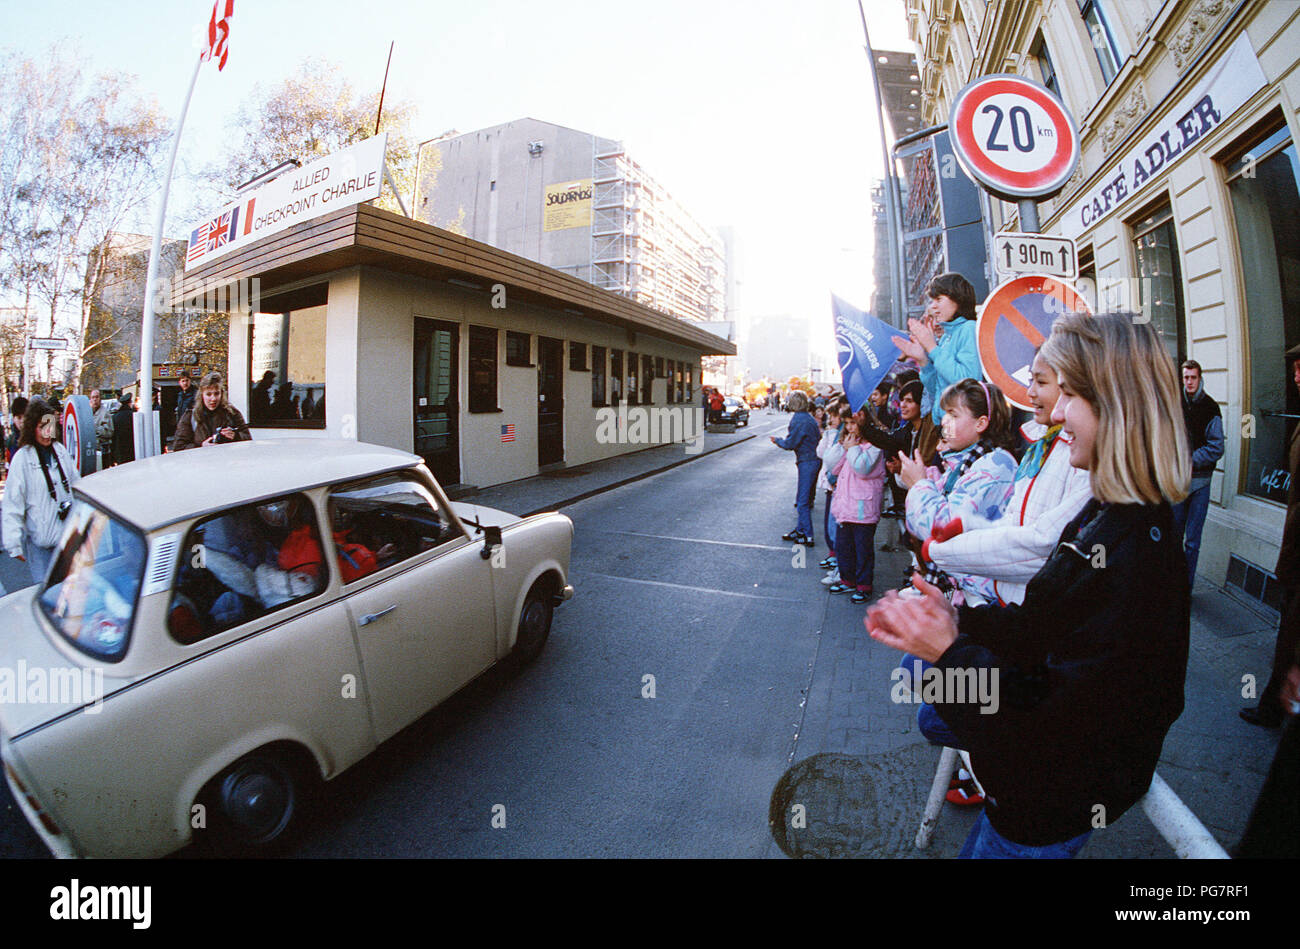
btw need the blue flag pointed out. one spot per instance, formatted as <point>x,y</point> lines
<point>864,350</point>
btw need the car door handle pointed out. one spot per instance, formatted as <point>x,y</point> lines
<point>371,617</point>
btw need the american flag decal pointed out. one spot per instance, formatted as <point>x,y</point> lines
<point>507,433</point>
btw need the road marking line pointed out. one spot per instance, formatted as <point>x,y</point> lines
<point>682,586</point>
<point>696,540</point>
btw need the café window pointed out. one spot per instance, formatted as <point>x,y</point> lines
<point>286,386</point>
<point>690,384</point>
<point>647,380</point>
<point>1160,278</point>
<point>577,356</point>
<point>632,363</point>
<point>482,369</point>
<point>598,371</point>
<point>1262,185</point>
<point>677,382</point>
<point>615,376</point>
<point>519,349</point>
<point>1087,282</point>
<point>672,395</point>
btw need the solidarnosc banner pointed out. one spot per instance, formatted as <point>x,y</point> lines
<point>864,350</point>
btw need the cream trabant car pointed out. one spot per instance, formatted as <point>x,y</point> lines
<point>223,627</point>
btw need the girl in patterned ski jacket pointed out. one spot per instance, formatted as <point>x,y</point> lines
<point>978,470</point>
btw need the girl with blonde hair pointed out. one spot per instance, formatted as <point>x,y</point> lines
<point>1090,667</point>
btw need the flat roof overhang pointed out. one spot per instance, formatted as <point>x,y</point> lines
<point>366,236</point>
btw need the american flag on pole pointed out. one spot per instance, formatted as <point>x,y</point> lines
<point>212,234</point>
<point>219,33</point>
<point>507,433</point>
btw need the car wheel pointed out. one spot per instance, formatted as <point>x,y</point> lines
<point>254,805</point>
<point>534,626</point>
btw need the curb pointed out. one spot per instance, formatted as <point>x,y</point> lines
<point>634,478</point>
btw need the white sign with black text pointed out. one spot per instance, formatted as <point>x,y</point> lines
<point>1015,253</point>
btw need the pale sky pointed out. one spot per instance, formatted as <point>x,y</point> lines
<point>757,115</point>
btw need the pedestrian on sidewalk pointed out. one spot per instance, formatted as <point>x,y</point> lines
<point>859,470</point>
<point>1002,555</point>
<point>1205,435</point>
<point>976,477</point>
<point>15,428</point>
<point>802,438</point>
<point>944,361</point>
<point>837,413</point>
<point>38,493</point>
<point>124,431</point>
<point>1267,713</point>
<point>1091,665</point>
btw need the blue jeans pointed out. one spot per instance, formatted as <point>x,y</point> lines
<point>805,495</point>
<point>932,726</point>
<point>829,525</point>
<point>1189,520</point>
<point>855,549</point>
<point>985,843</point>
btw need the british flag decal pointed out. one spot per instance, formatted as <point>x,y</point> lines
<point>212,234</point>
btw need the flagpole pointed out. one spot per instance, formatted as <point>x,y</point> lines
<point>147,315</point>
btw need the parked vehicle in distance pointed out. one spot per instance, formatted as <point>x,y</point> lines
<point>734,411</point>
<point>222,629</point>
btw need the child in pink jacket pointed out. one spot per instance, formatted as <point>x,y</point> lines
<point>859,469</point>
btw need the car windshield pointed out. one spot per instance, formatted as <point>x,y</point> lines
<point>91,591</point>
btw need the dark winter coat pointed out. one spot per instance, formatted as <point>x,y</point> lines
<point>192,433</point>
<point>1091,668</point>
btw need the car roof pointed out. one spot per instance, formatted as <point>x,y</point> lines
<point>152,492</point>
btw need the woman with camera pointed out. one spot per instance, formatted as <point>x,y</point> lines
<point>212,421</point>
<point>38,493</point>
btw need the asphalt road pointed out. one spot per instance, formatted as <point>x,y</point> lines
<point>681,577</point>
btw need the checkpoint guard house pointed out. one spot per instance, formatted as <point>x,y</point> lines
<point>373,326</point>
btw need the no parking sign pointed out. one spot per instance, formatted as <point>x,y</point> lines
<point>1017,317</point>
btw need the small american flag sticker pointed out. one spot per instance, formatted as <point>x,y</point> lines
<point>507,433</point>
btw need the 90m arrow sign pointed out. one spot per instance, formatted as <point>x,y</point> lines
<point>1015,253</point>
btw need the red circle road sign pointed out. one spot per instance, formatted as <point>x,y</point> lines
<point>1014,136</point>
<point>1016,318</point>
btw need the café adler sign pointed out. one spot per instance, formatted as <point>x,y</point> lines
<point>1229,85</point>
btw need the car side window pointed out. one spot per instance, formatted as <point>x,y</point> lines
<point>244,563</point>
<point>384,521</point>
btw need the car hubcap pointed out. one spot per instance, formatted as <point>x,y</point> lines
<point>259,802</point>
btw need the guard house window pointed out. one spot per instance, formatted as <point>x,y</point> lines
<point>632,391</point>
<point>519,349</point>
<point>647,380</point>
<point>287,363</point>
<point>677,380</point>
<point>615,376</point>
<point>597,376</point>
<point>690,384</point>
<point>1262,184</point>
<point>1101,37</point>
<point>671,396</point>
<point>577,356</point>
<point>1045,67</point>
<point>482,369</point>
<point>1160,278</point>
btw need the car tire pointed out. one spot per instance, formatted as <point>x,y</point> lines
<point>254,806</point>
<point>534,626</point>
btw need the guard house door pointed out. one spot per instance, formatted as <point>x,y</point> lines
<point>437,411</point>
<point>550,400</point>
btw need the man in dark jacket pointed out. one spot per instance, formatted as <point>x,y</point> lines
<point>124,431</point>
<point>1269,712</point>
<point>185,398</point>
<point>1205,436</point>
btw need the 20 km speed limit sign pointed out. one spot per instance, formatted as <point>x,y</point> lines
<point>1014,137</point>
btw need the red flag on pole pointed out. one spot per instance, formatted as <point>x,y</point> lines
<point>219,33</point>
